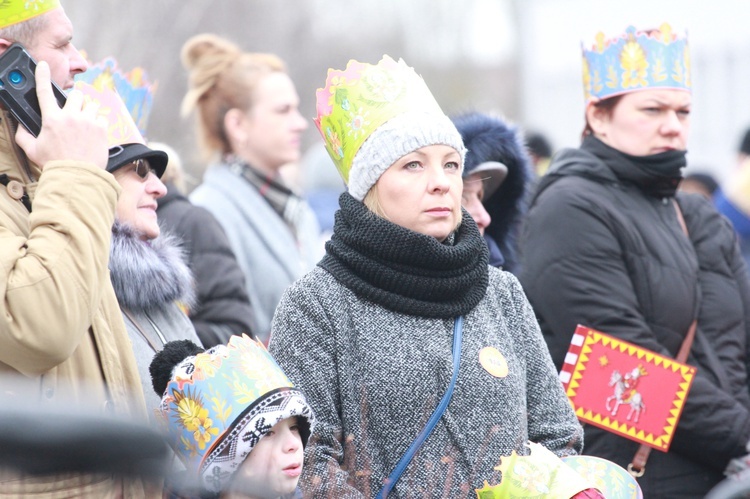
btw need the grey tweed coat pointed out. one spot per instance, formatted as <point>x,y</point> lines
<point>373,378</point>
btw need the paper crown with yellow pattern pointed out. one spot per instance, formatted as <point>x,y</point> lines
<point>218,404</point>
<point>543,474</point>
<point>17,11</point>
<point>636,60</point>
<point>371,115</point>
<point>124,139</point>
<point>134,88</point>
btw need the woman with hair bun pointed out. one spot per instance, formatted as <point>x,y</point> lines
<point>250,126</point>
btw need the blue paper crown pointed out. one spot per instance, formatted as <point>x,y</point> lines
<point>133,87</point>
<point>636,60</point>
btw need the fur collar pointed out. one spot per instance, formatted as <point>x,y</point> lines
<point>147,275</point>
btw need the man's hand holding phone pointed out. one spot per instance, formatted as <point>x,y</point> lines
<point>73,132</point>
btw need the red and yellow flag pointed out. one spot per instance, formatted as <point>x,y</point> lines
<point>623,388</point>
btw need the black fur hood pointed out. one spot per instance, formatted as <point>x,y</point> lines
<point>489,138</point>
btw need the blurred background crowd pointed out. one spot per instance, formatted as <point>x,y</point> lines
<point>518,58</point>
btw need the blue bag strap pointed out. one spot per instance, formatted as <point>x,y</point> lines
<point>390,482</point>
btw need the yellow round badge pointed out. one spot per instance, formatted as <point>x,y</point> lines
<point>493,362</point>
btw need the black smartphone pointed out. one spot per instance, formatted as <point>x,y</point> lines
<point>18,88</point>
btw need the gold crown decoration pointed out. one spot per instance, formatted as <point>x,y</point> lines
<point>359,99</point>
<point>17,11</point>
<point>134,88</point>
<point>636,60</point>
<point>121,128</point>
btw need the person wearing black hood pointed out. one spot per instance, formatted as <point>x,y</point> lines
<point>496,156</point>
<point>609,243</point>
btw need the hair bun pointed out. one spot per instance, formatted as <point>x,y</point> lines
<point>200,47</point>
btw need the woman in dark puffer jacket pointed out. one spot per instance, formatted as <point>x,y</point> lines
<point>604,246</point>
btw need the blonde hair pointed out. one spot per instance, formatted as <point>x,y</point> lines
<point>221,77</point>
<point>372,202</point>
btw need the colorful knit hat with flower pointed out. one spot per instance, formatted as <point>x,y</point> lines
<point>636,60</point>
<point>218,404</point>
<point>17,11</point>
<point>372,115</point>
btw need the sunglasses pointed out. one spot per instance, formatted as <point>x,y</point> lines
<point>143,168</point>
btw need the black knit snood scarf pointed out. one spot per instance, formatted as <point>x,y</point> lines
<point>403,270</point>
<point>656,174</point>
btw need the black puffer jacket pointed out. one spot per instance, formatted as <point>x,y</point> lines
<point>223,307</point>
<point>598,249</point>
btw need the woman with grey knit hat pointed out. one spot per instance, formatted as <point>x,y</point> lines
<point>424,365</point>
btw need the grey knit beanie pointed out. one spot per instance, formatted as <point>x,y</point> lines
<point>396,138</point>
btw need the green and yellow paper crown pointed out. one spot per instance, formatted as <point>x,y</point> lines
<point>543,474</point>
<point>636,60</point>
<point>359,99</point>
<point>17,11</point>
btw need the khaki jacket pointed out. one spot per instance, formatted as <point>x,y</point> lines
<point>60,323</point>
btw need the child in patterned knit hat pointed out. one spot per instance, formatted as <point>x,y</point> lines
<point>424,365</point>
<point>233,418</point>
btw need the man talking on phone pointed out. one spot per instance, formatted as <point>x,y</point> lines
<point>60,325</point>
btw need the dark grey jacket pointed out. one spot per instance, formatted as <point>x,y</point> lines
<point>222,306</point>
<point>373,377</point>
<point>601,252</point>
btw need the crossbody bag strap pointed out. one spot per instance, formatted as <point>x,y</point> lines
<point>390,482</point>
<point>149,339</point>
<point>637,467</point>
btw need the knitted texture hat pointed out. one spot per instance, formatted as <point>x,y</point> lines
<point>372,115</point>
<point>219,403</point>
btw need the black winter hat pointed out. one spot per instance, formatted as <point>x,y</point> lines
<point>125,154</point>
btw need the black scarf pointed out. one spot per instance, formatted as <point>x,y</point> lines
<point>403,270</point>
<point>657,174</point>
